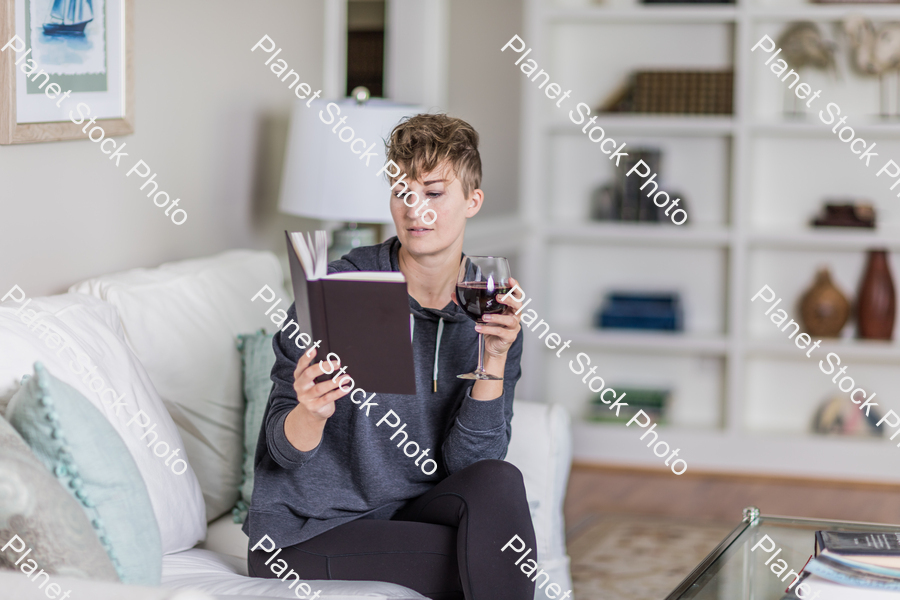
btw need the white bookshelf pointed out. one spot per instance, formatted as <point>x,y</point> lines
<point>743,395</point>
<point>640,235</point>
<point>641,14</point>
<point>612,340</point>
<point>688,126</point>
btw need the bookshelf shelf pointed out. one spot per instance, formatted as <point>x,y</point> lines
<point>642,14</point>
<point>812,12</point>
<point>848,350</point>
<point>757,453</point>
<point>638,234</point>
<point>813,127</point>
<point>638,341</point>
<point>752,181</point>
<point>827,239</point>
<point>698,125</point>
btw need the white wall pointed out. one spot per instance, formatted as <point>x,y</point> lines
<point>211,121</point>
<point>484,90</point>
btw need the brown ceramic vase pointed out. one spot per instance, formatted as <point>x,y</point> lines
<point>824,308</point>
<point>876,306</point>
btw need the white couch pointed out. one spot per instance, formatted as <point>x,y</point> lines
<point>180,321</point>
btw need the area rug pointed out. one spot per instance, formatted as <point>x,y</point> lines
<point>626,557</point>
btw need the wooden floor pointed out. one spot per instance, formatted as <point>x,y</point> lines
<point>720,497</point>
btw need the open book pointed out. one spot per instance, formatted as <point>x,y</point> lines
<point>362,316</point>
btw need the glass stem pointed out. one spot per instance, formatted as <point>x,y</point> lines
<point>480,353</point>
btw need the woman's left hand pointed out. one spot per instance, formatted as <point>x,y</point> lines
<point>500,330</point>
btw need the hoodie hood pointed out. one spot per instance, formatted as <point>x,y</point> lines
<point>384,257</point>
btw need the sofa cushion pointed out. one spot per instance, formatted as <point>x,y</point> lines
<point>218,574</point>
<point>541,447</point>
<point>18,586</point>
<point>79,339</point>
<point>78,445</point>
<point>224,536</point>
<point>257,358</point>
<point>182,320</point>
<point>46,519</point>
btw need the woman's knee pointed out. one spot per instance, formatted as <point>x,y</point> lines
<point>497,473</point>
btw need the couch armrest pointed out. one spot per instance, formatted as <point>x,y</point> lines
<point>16,585</point>
<point>541,447</point>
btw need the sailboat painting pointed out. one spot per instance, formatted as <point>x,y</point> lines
<point>68,37</point>
<point>69,17</point>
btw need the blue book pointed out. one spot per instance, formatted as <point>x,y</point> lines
<point>854,573</point>
<point>641,311</point>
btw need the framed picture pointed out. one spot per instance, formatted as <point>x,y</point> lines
<point>63,63</point>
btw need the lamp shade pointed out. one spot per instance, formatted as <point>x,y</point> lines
<point>325,172</point>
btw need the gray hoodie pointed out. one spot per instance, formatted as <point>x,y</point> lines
<point>357,471</point>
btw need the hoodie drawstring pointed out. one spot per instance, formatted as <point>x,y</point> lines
<point>437,343</point>
<point>437,349</point>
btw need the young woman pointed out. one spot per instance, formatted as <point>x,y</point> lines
<point>338,494</point>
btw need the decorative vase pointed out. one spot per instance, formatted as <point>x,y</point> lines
<point>824,308</point>
<point>876,306</point>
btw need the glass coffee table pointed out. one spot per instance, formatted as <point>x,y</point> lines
<point>733,572</point>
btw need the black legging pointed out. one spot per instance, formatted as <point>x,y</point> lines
<point>444,544</point>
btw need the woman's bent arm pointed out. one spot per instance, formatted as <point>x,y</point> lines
<point>482,428</point>
<point>298,406</point>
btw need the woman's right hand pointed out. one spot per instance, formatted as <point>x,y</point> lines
<point>317,399</point>
<point>305,425</point>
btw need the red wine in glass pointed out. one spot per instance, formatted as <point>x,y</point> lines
<point>480,283</point>
<point>478,299</point>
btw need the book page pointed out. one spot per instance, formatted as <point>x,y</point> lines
<point>368,276</point>
<point>321,253</point>
<point>313,256</point>
<point>303,254</point>
<point>312,253</point>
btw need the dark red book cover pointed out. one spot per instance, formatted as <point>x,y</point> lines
<point>366,323</point>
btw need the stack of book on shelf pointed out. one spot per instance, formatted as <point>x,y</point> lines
<point>676,92</point>
<point>853,566</point>
<point>704,1</point>
<point>624,310</point>
<point>652,402</point>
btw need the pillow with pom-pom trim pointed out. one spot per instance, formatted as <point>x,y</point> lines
<point>78,445</point>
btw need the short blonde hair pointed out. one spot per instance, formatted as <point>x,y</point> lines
<point>422,142</point>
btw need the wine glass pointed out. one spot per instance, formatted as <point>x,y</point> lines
<point>481,279</point>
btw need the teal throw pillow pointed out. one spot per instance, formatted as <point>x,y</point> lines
<point>258,358</point>
<point>73,439</point>
<point>41,525</point>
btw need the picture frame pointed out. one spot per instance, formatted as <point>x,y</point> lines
<point>86,48</point>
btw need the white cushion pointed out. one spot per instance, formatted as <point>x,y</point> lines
<point>92,328</point>
<point>182,320</point>
<point>224,536</point>
<point>541,448</point>
<point>218,574</point>
<point>17,585</point>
